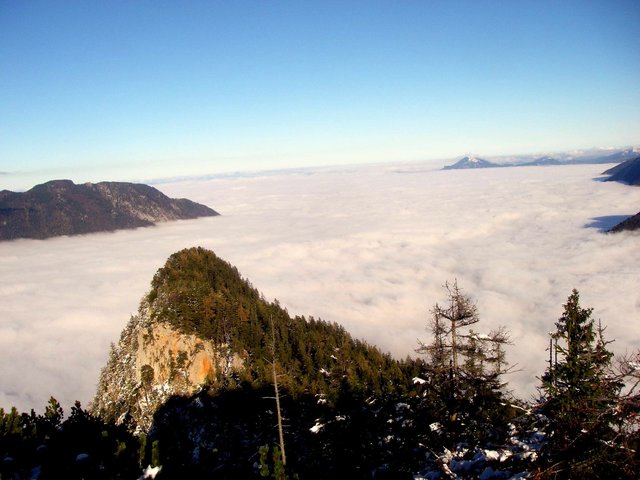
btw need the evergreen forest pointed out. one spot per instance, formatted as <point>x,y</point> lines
<point>310,401</point>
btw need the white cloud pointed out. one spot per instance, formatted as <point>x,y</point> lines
<point>369,248</point>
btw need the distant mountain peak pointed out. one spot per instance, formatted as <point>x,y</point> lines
<point>471,161</point>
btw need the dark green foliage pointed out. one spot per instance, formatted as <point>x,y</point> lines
<point>80,446</point>
<point>271,462</point>
<point>200,294</point>
<point>349,410</point>
<point>581,395</point>
<point>232,434</point>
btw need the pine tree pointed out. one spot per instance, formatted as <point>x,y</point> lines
<point>581,394</point>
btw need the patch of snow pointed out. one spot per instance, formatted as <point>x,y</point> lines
<point>150,472</point>
<point>491,455</point>
<point>418,381</point>
<point>316,428</point>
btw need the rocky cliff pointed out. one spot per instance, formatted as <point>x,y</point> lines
<point>60,207</point>
<point>152,362</point>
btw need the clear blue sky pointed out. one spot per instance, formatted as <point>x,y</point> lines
<point>145,89</point>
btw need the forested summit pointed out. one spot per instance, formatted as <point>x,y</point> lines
<point>200,294</point>
<point>203,326</point>
<point>60,207</point>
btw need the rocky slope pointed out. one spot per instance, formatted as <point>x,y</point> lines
<point>631,223</point>
<point>203,328</point>
<point>152,362</point>
<point>60,207</point>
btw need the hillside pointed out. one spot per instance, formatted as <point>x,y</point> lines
<point>631,223</point>
<point>193,372</point>
<point>60,207</point>
<point>627,172</point>
<point>202,326</point>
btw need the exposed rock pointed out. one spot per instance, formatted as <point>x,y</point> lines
<point>153,361</point>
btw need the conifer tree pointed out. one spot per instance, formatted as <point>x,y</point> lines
<point>580,400</point>
<point>464,370</point>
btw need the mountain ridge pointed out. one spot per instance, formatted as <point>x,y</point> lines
<point>61,207</point>
<point>582,158</point>
<point>203,327</point>
<point>626,172</point>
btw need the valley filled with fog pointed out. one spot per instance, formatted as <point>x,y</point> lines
<point>368,247</point>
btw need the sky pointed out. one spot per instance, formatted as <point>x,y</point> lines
<point>120,90</point>
<point>368,247</point>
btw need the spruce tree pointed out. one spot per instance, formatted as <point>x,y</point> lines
<point>580,395</point>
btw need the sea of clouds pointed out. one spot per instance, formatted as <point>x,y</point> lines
<point>367,247</point>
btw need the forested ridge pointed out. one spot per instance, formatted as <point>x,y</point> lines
<point>201,294</point>
<point>347,410</point>
<point>60,207</point>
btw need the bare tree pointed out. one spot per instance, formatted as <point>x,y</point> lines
<point>277,393</point>
<point>463,364</point>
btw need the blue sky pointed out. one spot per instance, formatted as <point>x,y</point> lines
<point>117,90</point>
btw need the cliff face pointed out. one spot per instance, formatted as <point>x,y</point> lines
<point>152,362</point>
<point>61,207</point>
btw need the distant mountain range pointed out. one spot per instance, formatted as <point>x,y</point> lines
<point>573,158</point>
<point>627,171</point>
<point>60,207</point>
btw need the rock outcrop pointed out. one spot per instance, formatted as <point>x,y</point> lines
<point>152,362</point>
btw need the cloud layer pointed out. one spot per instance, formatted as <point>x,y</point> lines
<point>368,247</point>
